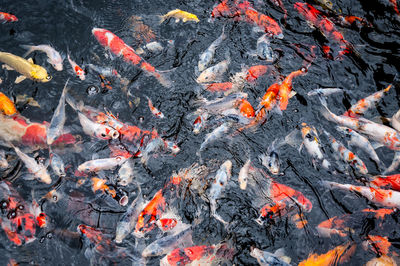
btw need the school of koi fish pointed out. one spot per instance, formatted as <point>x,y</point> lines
<point>245,153</point>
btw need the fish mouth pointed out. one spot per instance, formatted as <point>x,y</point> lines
<point>114,134</point>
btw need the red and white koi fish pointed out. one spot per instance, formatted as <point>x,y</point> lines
<point>346,155</point>
<point>77,69</point>
<point>199,123</point>
<point>385,135</point>
<point>362,142</point>
<point>363,105</point>
<point>157,113</point>
<point>326,26</point>
<point>6,17</point>
<point>118,47</point>
<point>384,197</point>
<point>391,181</point>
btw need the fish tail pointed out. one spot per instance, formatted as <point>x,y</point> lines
<point>324,108</point>
<point>29,49</point>
<point>163,78</point>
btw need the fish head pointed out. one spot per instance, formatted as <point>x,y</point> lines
<point>44,176</point>
<point>106,132</point>
<point>40,74</point>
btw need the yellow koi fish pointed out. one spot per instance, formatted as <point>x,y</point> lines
<point>179,15</point>
<point>25,67</point>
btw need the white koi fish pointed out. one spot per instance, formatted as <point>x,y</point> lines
<point>77,69</point>
<point>57,164</point>
<point>56,126</point>
<point>125,173</point>
<point>214,73</point>
<point>244,175</point>
<point>101,164</point>
<point>208,55</point>
<point>54,57</point>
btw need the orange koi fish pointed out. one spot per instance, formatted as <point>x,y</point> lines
<point>269,99</point>
<point>379,244</point>
<point>245,12</point>
<point>284,197</point>
<point>6,17</point>
<point>245,108</point>
<point>335,256</point>
<point>7,107</point>
<point>218,87</point>
<point>286,88</point>
<point>326,26</point>
<point>391,181</point>
<point>385,197</point>
<point>257,71</point>
<point>118,47</point>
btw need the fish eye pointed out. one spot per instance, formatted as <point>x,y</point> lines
<point>21,207</point>
<point>103,135</point>
<point>308,136</point>
<point>49,77</point>
<point>4,204</point>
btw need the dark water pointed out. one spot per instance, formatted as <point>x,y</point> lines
<point>67,25</point>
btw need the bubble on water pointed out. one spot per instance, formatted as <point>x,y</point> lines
<point>42,239</point>
<point>49,235</point>
<point>11,215</point>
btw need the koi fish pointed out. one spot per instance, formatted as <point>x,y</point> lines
<point>17,222</point>
<point>395,7</point>
<point>54,57</point>
<point>104,71</point>
<point>125,173</point>
<point>265,258</point>
<point>179,15</point>
<point>127,222</point>
<point>382,260</point>
<point>380,245</point>
<point>312,144</point>
<point>189,255</point>
<point>214,73</point>
<point>221,179</point>
<point>150,214</point>
<point>118,195</point>
<point>154,110</point>
<point>214,135</point>
<point>167,244</point>
<point>271,158</point>
<point>7,107</point>
<point>363,105</point>
<point>97,130</point>
<point>391,181</point>
<point>118,47</point>
<point>57,164</point>
<point>6,17</point>
<point>324,91</point>
<point>38,170</point>
<point>286,87</point>
<point>25,67</point>
<point>338,255</point>
<point>57,122</point>
<point>264,50</point>
<point>219,87</point>
<point>269,99</point>
<point>101,164</point>
<point>385,135</point>
<point>394,165</point>
<point>257,71</point>
<point>385,197</point>
<point>208,55</point>
<point>326,26</point>
<point>199,123</point>
<point>77,69</point>
<point>245,108</point>
<point>346,155</point>
<point>243,175</point>
<point>168,221</point>
<point>283,197</point>
<point>361,142</point>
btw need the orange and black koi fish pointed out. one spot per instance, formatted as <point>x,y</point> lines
<point>326,26</point>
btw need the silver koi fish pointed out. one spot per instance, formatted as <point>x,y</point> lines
<point>57,122</point>
<point>101,164</point>
<point>208,55</point>
<point>54,57</point>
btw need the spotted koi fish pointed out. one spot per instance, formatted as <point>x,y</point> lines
<point>17,221</point>
<point>6,17</point>
<point>118,47</point>
<point>77,69</point>
<point>326,26</point>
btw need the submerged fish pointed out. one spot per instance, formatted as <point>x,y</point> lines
<point>264,50</point>
<point>25,67</point>
<point>214,73</point>
<point>265,258</point>
<point>271,158</point>
<point>54,57</point>
<point>77,69</point>
<point>7,17</point>
<point>179,15</point>
<point>243,175</point>
<point>57,164</point>
<point>157,113</point>
<point>56,126</point>
<point>208,55</point>
<point>221,179</point>
<point>101,164</point>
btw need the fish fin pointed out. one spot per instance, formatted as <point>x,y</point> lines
<point>19,79</point>
<point>7,67</point>
<point>292,93</point>
<point>293,138</point>
<point>30,60</point>
<point>29,49</point>
<point>376,145</point>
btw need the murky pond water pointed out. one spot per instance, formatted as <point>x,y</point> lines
<point>350,45</point>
